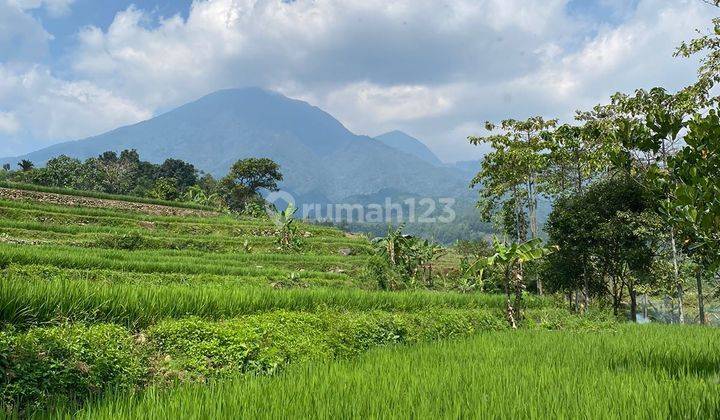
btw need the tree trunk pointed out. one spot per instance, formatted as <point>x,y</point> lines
<point>586,294</point>
<point>508,300</point>
<point>519,287</point>
<point>616,298</point>
<point>645,306</point>
<point>633,302</point>
<point>678,284</point>
<point>701,303</point>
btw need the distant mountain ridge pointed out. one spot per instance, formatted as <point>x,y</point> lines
<point>318,155</point>
<point>410,145</point>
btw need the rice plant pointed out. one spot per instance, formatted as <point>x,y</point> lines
<point>638,372</point>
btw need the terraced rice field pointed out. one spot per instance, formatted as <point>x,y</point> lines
<point>122,313</point>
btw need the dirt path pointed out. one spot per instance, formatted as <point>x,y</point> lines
<point>71,200</point>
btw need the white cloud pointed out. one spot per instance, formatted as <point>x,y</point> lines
<point>54,7</point>
<point>436,69</point>
<point>376,105</point>
<point>22,38</point>
<point>9,124</point>
<point>47,109</point>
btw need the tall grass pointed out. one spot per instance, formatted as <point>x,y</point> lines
<point>26,302</point>
<point>648,372</point>
<point>19,210</point>
<point>173,261</point>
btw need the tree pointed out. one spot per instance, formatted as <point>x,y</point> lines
<point>165,189</point>
<point>644,130</point>
<point>576,156</point>
<point>26,165</point>
<point>693,205</point>
<point>118,175</point>
<point>510,172</point>
<point>6,167</point>
<point>605,239</point>
<point>184,173</point>
<point>246,178</point>
<point>59,172</point>
<point>708,45</point>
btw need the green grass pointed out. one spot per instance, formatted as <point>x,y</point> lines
<point>648,372</point>
<point>25,302</point>
<point>178,261</point>
<point>100,195</point>
<point>183,298</point>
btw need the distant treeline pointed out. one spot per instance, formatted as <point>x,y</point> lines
<point>172,180</point>
<point>110,173</point>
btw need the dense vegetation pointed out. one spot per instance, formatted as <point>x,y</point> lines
<point>637,207</point>
<point>126,177</point>
<point>641,372</point>
<point>96,299</point>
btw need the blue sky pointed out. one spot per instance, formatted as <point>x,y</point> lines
<point>435,69</point>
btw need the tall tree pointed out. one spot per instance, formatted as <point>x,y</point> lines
<point>510,172</point>
<point>182,172</point>
<point>605,238</point>
<point>246,178</point>
<point>25,165</point>
<point>693,206</point>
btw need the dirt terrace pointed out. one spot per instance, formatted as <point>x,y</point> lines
<point>71,200</point>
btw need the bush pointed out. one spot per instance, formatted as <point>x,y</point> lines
<point>65,364</point>
<point>69,364</point>
<point>195,349</point>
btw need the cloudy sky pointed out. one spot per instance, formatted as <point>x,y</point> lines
<point>436,69</point>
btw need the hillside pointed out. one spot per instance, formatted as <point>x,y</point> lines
<point>410,145</point>
<point>179,295</point>
<point>319,157</point>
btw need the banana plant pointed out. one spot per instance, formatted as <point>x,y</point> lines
<point>287,235</point>
<point>511,257</point>
<point>391,246</point>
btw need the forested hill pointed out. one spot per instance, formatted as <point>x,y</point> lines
<point>319,157</point>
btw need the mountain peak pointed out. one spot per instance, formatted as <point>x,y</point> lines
<point>317,154</point>
<point>408,144</point>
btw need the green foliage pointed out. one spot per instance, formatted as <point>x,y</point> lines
<point>71,363</point>
<point>46,299</point>
<point>65,364</point>
<point>510,258</point>
<point>184,174</point>
<point>651,372</point>
<point>694,195</point>
<point>287,234</point>
<point>100,195</point>
<point>25,165</point>
<point>511,171</point>
<point>606,240</point>
<point>407,259</point>
<point>165,189</point>
<point>245,180</point>
<point>109,173</point>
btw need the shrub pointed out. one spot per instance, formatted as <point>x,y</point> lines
<point>68,363</point>
<point>195,349</point>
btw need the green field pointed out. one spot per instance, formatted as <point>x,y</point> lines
<point>124,314</point>
<point>635,372</point>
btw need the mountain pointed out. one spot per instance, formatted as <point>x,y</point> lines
<point>410,145</point>
<point>319,157</point>
<point>468,168</point>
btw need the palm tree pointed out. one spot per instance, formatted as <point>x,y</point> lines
<point>25,165</point>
